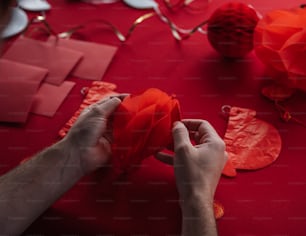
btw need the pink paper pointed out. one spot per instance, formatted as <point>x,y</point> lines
<point>57,60</point>
<point>18,85</point>
<point>16,97</point>
<point>49,98</point>
<point>11,70</point>
<point>96,59</point>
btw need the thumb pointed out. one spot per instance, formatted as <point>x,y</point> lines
<point>180,135</point>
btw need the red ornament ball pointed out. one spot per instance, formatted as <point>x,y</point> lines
<point>230,29</point>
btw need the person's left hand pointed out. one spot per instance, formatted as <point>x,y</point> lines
<point>89,139</point>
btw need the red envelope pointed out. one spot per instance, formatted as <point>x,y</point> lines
<point>49,98</point>
<point>11,70</point>
<point>18,85</point>
<point>59,61</point>
<point>96,57</point>
<point>16,97</point>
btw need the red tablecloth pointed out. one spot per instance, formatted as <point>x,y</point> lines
<point>271,201</point>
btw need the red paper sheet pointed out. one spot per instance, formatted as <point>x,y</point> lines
<point>18,85</point>
<point>16,97</point>
<point>49,98</point>
<point>11,70</point>
<point>96,57</point>
<point>59,61</point>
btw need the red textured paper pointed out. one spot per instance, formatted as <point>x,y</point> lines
<point>57,60</point>
<point>250,143</point>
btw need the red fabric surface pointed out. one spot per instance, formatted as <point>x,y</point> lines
<point>270,201</point>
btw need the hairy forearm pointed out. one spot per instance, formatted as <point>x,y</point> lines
<point>28,190</point>
<point>198,217</point>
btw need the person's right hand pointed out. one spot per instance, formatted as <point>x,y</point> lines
<point>197,168</point>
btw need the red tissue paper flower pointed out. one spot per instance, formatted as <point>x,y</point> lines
<point>142,126</point>
<point>230,29</point>
<point>279,42</point>
<point>250,142</point>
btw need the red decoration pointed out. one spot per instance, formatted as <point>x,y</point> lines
<point>279,41</point>
<point>250,143</point>
<point>142,126</point>
<point>230,29</point>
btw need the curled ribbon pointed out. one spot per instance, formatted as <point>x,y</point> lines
<point>177,32</point>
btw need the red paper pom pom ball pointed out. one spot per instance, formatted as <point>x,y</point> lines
<point>230,29</point>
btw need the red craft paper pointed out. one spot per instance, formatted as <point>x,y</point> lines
<point>142,126</point>
<point>18,83</point>
<point>57,60</point>
<point>16,97</point>
<point>279,41</point>
<point>11,70</point>
<point>250,143</point>
<point>49,98</point>
<point>95,93</point>
<point>96,57</point>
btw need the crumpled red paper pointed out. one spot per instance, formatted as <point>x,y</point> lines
<point>142,126</point>
<point>279,42</point>
<point>250,142</point>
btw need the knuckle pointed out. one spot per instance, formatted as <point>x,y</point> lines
<point>182,148</point>
<point>218,145</point>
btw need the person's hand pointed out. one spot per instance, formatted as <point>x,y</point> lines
<point>197,168</point>
<point>90,137</point>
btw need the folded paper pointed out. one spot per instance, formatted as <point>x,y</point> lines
<point>11,70</point>
<point>96,57</point>
<point>57,60</point>
<point>18,86</point>
<point>16,97</point>
<point>250,142</point>
<point>49,98</point>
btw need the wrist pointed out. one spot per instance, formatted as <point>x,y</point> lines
<point>71,156</point>
<point>196,201</point>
